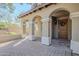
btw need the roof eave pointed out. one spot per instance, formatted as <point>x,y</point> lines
<point>36,9</point>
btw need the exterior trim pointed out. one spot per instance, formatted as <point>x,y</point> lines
<point>45,20</point>
<point>46,40</point>
<point>31,37</point>
<point>74,14</point>
<point>75,46</point>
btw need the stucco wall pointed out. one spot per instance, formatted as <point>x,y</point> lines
<point>75,29</point>
<point>37,26</point>
<point>45,13</point>
<point>75,34</point>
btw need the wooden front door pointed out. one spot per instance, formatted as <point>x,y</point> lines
<point>59,29</point>
<point>63,31</point>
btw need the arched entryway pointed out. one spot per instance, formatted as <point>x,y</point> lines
<point>37,28</point>
<point>61,24</point>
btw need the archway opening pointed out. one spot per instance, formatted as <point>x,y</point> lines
<point>61,25</point>
<point>37,28</point>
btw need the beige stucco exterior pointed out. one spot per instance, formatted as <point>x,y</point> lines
<point>45,31</point>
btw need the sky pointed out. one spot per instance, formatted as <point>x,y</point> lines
<point>19,9</point>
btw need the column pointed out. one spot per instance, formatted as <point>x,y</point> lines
<point>31,30</point>
<point>24,28</point>
<point>46,39</point>
<point>75,33</point>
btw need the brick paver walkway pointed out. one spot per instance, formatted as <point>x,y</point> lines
<point>35,48</point>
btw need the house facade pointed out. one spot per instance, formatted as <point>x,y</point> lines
<point>48,21</point>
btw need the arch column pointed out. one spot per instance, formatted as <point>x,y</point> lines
<point>46,39</point>
<point>31,30</point>
<point>24,28</point>
<point>27,24</point>
<point>75,33</point>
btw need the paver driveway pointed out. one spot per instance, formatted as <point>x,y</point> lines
<point>27,47</point>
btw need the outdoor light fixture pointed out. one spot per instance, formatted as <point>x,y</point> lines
<point>62,22</point>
